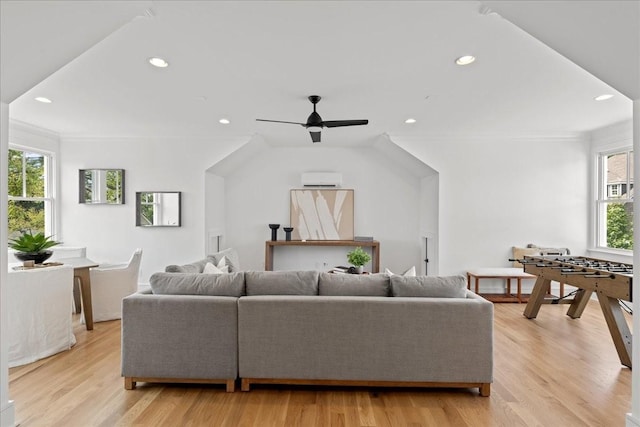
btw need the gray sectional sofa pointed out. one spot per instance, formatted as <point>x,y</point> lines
<point>307,327</point>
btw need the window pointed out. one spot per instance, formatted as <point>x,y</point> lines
<point>614,190</point>
<point>614,205</point>
<point>30,196</point>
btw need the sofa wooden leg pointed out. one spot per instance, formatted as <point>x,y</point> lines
<point>231,386</point>
<point>485,389</point>
<point>245,385</point>
<point>129,383</point>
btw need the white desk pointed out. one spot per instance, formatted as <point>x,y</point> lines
<point>39,313</point>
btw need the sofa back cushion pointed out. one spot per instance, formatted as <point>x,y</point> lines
<point>227,285</point>
<point>281,282</point>
<point>429,286</point>
<point>367,285</point>
<point>194,267</point>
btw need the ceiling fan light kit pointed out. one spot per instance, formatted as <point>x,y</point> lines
<point>315,123</point>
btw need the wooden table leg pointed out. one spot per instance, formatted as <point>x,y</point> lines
<point>375,254</point>
<point>540,289</point>
<point>519,290</point>
<point>579,303</point>
<point>83,275</point>
<point>508,279</point>
<point>477,284</point>
<point>617,327</point>
<point>268,257</point>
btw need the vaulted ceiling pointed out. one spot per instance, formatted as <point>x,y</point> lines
<point>383,61</point>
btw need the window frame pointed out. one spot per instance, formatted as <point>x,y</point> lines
<point>604,198</point>
<point>49,197</point>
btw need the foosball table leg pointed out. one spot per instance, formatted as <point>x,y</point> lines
<point>579,303</point>
<point>617,327</point>
<point>540,289</point>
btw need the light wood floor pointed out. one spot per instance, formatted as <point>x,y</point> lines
<point>552,371</point>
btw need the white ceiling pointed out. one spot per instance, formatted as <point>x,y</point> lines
<point>383,61</point>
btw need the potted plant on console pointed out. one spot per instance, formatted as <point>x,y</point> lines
<point>358,258</point>
<point>33,247</point>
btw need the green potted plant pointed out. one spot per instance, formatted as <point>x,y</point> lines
<point>33,247</point>
<point>358,257</point>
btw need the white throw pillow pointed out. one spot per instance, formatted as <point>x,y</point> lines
<point>409,273</point>
<point>221,268</point>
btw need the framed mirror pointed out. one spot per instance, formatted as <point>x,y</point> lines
<point>101,186</point>
<point>158,208</point>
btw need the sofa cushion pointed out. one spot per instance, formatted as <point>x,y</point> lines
<point>367,285</point>
<point>194,267</point>
<point>429,286</point>
<point>281,282</point>
<point>228,285</point>
<point>231,256</point>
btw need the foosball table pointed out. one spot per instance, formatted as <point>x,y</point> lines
<point>611,281</point>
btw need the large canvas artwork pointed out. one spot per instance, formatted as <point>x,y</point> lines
<point>322,214</point>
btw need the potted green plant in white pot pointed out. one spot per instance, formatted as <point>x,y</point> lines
<point>358,258</point>
<point>33,247</point>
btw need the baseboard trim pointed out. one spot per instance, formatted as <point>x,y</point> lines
<point>632,421</point>
<point>8,415</point>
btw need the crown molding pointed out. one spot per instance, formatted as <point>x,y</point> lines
<point>33,129</point>
<point>492,137</point>
<point>171,139</point>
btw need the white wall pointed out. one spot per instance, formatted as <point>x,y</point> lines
<point>214,212</point>
<point>387,203</point>
<point>498,193</point>
<point>429,224</point>
<point>490,194</point>
<point>109,231</point>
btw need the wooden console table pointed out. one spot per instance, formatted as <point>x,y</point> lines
<point>373,244</point>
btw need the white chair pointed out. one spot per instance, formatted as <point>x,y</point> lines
<point>110,283</point>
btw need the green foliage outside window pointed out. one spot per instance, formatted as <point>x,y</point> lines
<point>114,186</point>
<point>26,179</point>
<point>619,226</point>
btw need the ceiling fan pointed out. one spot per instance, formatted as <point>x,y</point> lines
<point>315,123</point>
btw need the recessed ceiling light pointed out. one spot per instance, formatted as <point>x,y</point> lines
<point>410,121</point>
<point>43,100</point>
<point>603,97</point>
<point>158,62</point>
<point>465,60</point>
<point>224,121</point>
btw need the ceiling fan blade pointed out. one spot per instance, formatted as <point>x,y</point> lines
<point>340,123</point>
<point>315,136</point>
<point>280,121</point>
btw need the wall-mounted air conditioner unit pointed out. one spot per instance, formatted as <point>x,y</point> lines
<point>321,179</point>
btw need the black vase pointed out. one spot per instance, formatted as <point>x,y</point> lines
<point>274,231</point>
<point>37,257</point>
<point>287,231</point>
